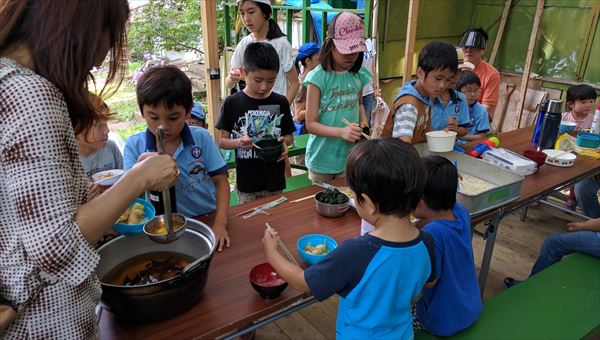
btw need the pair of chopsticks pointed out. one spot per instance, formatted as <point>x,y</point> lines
<point>282,246</point>
<point>303,198</point>
<point>240,135</point>
<point>347,122</point>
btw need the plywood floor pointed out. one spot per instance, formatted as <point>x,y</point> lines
<point>517,246</point>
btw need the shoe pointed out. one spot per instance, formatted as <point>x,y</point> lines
<point>571,205</point>
<point>509,282</point>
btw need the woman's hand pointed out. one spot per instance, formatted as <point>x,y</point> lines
<point>221,235</point>
<point>351,133</point>
<point>146,155</point>
<point>160,172</point>
<point>94,191</point>
<point>7,316</point>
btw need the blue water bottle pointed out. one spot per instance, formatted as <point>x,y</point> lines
<point>539,122</point>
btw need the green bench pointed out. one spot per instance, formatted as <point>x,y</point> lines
<point>560,302</point>
<point>291,183</point>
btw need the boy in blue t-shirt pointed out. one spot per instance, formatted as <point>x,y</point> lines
<point>450,110</point>
<point>377,275</point>
<point>454,303</point>
<point>164,95</point>
<point>479,121</point>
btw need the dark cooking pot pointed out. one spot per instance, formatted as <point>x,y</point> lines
<point>161,300</point>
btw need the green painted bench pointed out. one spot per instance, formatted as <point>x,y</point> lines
<point>560,302</point>
<point>291,183</point>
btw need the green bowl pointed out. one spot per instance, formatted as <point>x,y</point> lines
<point>270,150</point>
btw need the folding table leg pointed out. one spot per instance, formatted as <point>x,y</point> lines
<point>490,237</point>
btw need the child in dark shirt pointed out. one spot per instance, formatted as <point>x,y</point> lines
<point>252,114</point>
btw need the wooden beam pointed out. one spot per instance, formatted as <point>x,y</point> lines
<point>527,71</point>
<point>208,18</point>
<point>507,4</point>
<point>409,47</point>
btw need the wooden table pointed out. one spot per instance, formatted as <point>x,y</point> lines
<point>298,149</point>
<point>229,302</point>
<point>544,182</point>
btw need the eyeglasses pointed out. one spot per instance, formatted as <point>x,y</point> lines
<point>471,91</point>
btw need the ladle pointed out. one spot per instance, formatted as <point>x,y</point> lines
<point>171,235</point>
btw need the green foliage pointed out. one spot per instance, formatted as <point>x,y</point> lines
<point>131,130</point>
<point>168,25</point>
<point>123,103</point>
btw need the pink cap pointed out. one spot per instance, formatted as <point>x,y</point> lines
<point>348,33</point>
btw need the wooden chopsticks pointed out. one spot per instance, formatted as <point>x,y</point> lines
<point>347,122</point>
<point>302,199</point>
<point>240,135</point>
<point>282,246</point>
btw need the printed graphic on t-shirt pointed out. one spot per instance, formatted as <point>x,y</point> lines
<point>343,99</point>
<point>259,124</point>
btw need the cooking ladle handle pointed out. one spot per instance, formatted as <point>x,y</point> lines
<point>165,194</point>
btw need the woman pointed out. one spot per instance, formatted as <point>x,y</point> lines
<point>256,17</point>
<point>47,231</point>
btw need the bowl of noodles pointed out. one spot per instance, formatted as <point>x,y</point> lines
<point>132,221</point>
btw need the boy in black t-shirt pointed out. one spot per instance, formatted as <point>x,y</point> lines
<point>253,114</point>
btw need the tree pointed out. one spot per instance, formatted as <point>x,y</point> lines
<point>168,25</point>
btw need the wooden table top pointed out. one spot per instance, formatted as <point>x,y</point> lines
<point>545,181</point>
<point>229,301</point>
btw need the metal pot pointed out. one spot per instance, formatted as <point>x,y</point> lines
<point>161,300</point>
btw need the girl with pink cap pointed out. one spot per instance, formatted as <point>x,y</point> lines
<point>335,97</point>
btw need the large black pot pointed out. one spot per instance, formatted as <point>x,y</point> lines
<point>161,300</point>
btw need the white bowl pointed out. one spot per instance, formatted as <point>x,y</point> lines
<point>559,158</point>
<point>440,141</point>
<point>107,177</point>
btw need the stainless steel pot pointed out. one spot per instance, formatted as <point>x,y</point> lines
<point>161,300</point>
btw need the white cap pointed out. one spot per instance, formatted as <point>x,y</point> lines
<point>266,2</point>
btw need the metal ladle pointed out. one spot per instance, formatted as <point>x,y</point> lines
<point>171,235</point>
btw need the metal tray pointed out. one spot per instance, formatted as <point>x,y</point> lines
<point>508,184</point>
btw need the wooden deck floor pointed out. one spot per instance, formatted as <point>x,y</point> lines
<point>517,246</point>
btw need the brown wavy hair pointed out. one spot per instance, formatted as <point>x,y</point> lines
<point>64,38</point>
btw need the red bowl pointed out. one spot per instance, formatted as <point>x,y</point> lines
<point>537,156</point>
<point>266,281</point>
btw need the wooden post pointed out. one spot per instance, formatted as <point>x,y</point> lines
<point>507,4</point>
<point>208,17</point>
<point>374,17</point>
<point>534,31</point>
<point>409,47</point>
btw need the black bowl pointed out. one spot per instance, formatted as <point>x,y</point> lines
<point>270,150</point>
<point>266,281</point>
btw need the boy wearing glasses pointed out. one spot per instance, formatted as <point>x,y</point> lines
<point>479,121</point>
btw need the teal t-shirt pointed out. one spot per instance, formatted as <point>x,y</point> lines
<point>339,99</point>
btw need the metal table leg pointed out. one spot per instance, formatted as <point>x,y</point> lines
<point>490,237</point>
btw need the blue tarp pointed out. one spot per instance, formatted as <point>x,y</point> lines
<point>316,16</point>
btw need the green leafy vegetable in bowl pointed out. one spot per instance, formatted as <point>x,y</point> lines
<point>332,196</point>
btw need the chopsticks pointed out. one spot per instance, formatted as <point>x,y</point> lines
<point>347,122</point>
<point>302,199</point>
<point>282,246</point>
<point>240,135</point>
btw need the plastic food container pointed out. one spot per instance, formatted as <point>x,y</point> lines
<point>440,141</point>
<point>588,140</point>
<point>559,158</point>
<point>566,127</point>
